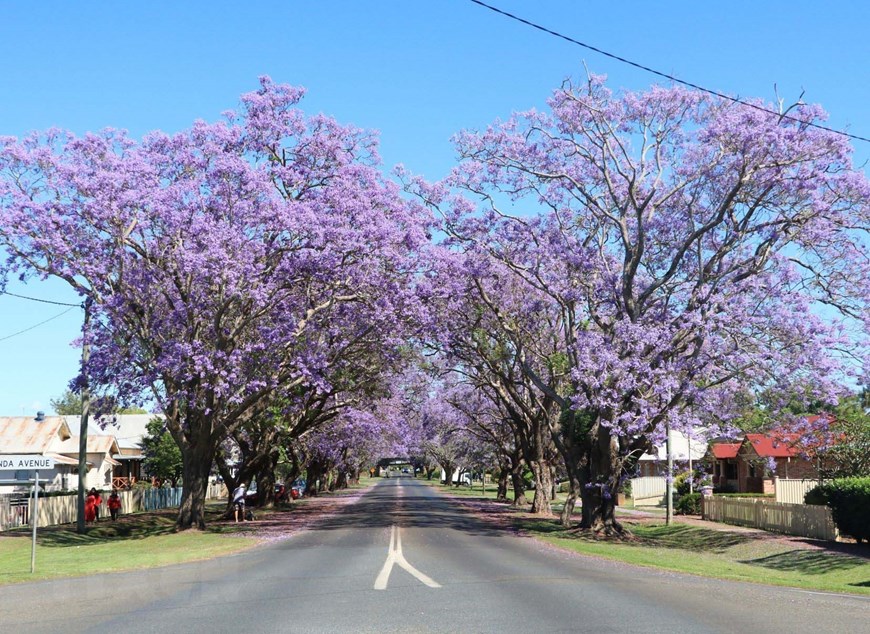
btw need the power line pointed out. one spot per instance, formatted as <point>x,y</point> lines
<point>665,75</point>
<point>21,332</point>
<point>35,299</point>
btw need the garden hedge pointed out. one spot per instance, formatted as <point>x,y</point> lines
<point>849,499</point>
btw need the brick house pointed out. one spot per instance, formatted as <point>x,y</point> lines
<point>723,458</point>
<point>749,466</point>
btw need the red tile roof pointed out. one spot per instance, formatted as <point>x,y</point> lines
<point>725,449</point>
<point>773,446</point>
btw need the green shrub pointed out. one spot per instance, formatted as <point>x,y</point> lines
<point>849,499</point>
<point>746,495</point>
<point>688,504</point>
<point>816,496</point>
<point>681,483</point>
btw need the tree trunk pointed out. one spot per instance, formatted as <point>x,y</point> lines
<point>341,480</point>
<point>518,484</point>
<point>599,510</point>
<point>448,474</point>
<point>313,477</point>
<point>599,497</point>
<point>267,463</point>
<point>197,461</point>
<point>570,501</point>
<point>501,492</point>
<point>266,487</point>
<point>543,488</point>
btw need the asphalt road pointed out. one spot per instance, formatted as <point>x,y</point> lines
<point>405,559</point>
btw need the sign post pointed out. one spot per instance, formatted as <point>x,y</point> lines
<point>28,462</point>
<point>34,521</point>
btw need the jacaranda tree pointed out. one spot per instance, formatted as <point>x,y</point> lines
<point>226,263</point>
<point>684,242</point>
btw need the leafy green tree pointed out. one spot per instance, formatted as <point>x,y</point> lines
<point>67,404</point>
<point>70,404</point>
<point>849,453</point>
<point>162,455</point>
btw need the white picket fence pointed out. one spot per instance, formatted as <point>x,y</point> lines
<point>648,491</point>
<point>790,491</point>
<point>791,519</point>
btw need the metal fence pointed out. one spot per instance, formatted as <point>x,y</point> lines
<point>790,491</point>
<point>648,491</point>
<point>791,519</point>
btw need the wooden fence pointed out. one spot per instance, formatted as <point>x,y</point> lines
<point>14,512</point>
<point>648,491</point>
<point>790,491</point>
<point>791,519</point>
<point>61,509</point>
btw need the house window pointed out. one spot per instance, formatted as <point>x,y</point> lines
<point>730,470</point>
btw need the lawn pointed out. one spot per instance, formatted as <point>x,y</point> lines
<point>141,540</point>
<point>715,552</point>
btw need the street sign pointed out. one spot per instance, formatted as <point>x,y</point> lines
<point>25,461</point>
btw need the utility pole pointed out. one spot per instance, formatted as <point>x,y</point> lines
<point>669,480</point>
<point>83,427</point>
<point>691,471</point>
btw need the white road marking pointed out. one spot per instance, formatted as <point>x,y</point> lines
<point>395,556</point>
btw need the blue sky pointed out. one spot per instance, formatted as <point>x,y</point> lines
<point>416,70</point>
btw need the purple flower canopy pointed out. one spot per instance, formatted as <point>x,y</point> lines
<point>611,267</point>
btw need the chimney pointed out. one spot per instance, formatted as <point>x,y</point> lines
<point>40,416</point>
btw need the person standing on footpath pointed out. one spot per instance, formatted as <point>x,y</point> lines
<point>239,502</point>
<point>98,501</point>
<point>114,504</point>
<point>91,506</point>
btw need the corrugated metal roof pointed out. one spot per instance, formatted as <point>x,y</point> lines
<point>96,444</point>
<point>61,459</point>
<point>24,434</point>
<point>127,428</point>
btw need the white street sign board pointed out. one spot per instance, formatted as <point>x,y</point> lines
<point>26,461</point>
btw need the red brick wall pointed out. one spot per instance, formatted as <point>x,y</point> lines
<point>796,469</point>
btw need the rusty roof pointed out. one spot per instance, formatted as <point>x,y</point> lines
<point>25,434</point>
<point>96,444</point>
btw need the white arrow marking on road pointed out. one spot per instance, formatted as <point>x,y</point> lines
<point>395,556</point>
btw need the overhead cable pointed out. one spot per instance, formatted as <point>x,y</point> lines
<point>36,299</point>
<point>665,75</point>
<point>21,332</point>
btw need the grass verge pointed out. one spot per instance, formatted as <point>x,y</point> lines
<point>141,540</point>
<point>716,551</point>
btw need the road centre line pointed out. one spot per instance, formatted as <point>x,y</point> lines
<point>395,556</point>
